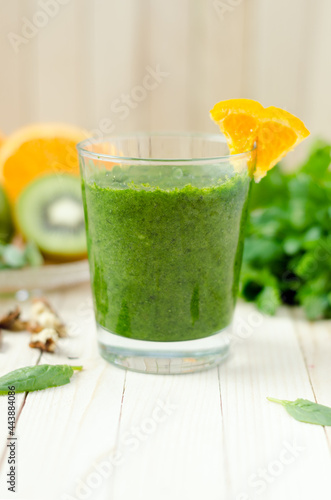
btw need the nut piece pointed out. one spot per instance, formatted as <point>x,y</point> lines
<point>45,340</point>
<point>43,316</point>
<point>45,325</point>
<point>12,322</point>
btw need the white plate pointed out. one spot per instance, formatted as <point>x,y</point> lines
<point>47,277</point>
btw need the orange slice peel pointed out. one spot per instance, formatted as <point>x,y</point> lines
<point>245,122</point>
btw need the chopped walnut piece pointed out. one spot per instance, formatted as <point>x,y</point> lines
<point>43,316</point>
<point>45,340</point>
<point>12,322</point>
<point>9,317</point>
<point>34,327</point>
<point>45,325</point>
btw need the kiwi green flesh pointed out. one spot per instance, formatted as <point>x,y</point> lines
<point>50,212</point>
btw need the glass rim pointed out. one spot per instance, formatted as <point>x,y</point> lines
<point>83,151</point>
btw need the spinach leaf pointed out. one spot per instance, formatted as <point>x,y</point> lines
<point>36,378</point>
<point>304,410</point>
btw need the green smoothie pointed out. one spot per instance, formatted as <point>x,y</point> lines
<point>165,246</point>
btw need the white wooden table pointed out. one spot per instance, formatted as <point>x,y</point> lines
<point>112,434</point>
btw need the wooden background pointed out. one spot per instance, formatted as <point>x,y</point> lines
<point>219,437</point>
<point>84,56</point>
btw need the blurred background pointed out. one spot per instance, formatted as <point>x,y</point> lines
<point>117,66</point>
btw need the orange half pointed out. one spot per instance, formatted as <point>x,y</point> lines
<point>275,131</point>
<point>35,150</point>
<point>2,138</point>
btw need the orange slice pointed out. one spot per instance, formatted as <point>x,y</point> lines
<point>275,131</point>
<point>35,150</point>
<point>2,138</point>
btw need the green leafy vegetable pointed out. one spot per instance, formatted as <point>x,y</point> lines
<point>36,378</point>
<point>12,256</point>
<point>287,256</point>
<point>6,219</point>
<point>306,411</point>
<point>32,255</point>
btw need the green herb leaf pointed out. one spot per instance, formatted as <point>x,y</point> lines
<point>319,160</point>
<point>315,306</point>
<point>287,255</point>
<point>12,256</point>
<point>32,255</point>
<point>306,411</point>
<point>268,300</point>
<point>262,250</point>
<point>36,378</point>
<point>292,245</point>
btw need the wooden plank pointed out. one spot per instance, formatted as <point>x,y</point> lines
<point>61,426</point>
<point>14,353</point>
<point>116,65</point>
<point>315,70</point>
<point>258,433</point>
<point>169,49</point>
<point>196,448</point>
<point>10,76</point>
<point>274,62</point>
<point>84,64</point>
<point>58,85</point>
<point>64,66</point>
<point>73,430</point>
<point>33,19</point>
<point>215,63</point>
<point>214,439</point>
<point>50,76</point>
<point>20,21</point>
<point>272,71</point>
<point>315,343</point>
<point>183,455</point>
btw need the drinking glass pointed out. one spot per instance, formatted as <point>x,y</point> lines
<point>165,220</point>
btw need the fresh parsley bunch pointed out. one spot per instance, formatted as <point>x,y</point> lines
<point>287,256</point>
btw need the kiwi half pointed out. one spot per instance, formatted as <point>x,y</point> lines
<point>50,212</point>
